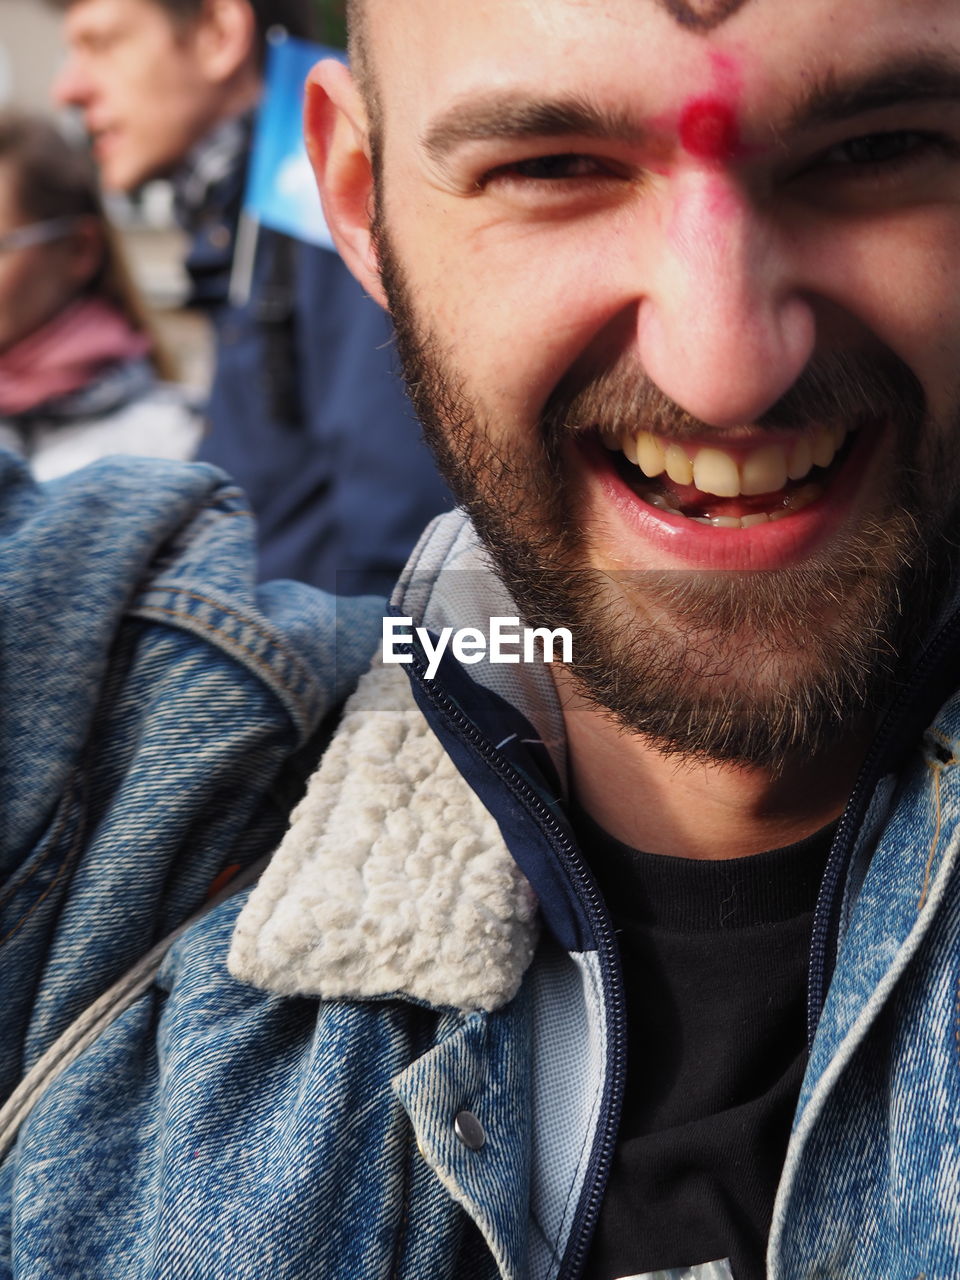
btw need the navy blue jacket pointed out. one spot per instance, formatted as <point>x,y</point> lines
<point>307,411</point>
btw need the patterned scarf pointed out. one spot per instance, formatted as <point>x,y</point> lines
<point>66,354</point>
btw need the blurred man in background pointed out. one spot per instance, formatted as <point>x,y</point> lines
<point>305,411</point>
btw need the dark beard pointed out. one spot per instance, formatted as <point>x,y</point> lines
<point>752,668</point>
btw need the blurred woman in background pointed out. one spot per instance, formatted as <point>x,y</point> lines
<point>81,371</point>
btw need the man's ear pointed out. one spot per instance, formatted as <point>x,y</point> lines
<point>335,120</point>
<point>225,39</point>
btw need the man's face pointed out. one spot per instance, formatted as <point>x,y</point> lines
<point>619,240</point>
<point>138,78</point>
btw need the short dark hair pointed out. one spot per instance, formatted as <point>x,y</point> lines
<point>356,16</point>
<point>358,50</point>
<point>295,15</point>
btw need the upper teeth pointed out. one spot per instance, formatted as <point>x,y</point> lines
<point>714,470</point>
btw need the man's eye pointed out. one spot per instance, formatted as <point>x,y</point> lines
<point>559,168</point>
<point>878,149</point>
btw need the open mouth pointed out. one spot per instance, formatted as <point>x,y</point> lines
<point>733,487</point>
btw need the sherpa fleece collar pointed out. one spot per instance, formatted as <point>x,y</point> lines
<point>393,878</point>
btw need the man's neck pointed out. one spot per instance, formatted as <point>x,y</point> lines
<point>240,97</point>
<point>666,805</point>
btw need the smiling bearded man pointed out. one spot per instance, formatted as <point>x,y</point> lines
<point>673,287</point>
<point>630,959</point>
<point>705,658</point>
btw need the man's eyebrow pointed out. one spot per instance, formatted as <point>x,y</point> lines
<point>918,79</point>
<point>921,78</point>
<point>516,115</point>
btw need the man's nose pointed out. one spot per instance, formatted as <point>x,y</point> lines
<point>71,88</point>
<point>724,328</point>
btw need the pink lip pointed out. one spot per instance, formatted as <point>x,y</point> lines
<point>682,543</point>
<point>104,138</point>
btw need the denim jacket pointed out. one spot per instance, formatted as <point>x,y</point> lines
<point>401,1054</point>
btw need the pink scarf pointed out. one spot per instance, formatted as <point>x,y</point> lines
<point>66,354</point>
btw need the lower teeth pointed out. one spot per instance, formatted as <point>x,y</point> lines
<point>792,503</point>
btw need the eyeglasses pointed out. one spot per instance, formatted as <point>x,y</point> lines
<point>38,233</point>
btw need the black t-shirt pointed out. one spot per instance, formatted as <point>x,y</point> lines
<point>715,965</point>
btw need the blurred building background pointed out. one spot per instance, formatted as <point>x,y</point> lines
<point>331,28</point>
<point>30,52</point>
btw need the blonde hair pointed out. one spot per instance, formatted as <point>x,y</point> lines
<point>55,179</point>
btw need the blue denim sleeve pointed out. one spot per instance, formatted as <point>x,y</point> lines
<point>160,713</point>
<point>6,1205</point>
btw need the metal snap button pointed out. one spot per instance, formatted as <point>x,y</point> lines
<point>469,1130</point>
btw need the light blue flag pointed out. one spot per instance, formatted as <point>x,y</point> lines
<point>281,191</point>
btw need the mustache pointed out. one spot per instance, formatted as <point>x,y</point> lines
<point>850,387</point>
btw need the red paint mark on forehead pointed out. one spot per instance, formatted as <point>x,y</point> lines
<point>709,130</point>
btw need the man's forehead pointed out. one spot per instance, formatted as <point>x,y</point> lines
<point>83,15</point>
<point>640,54</point>
<point>701,15</point>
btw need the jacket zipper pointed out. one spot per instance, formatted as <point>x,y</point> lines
<point>826,921</point>
<point>601,1156</point>
<point>825,936</point>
